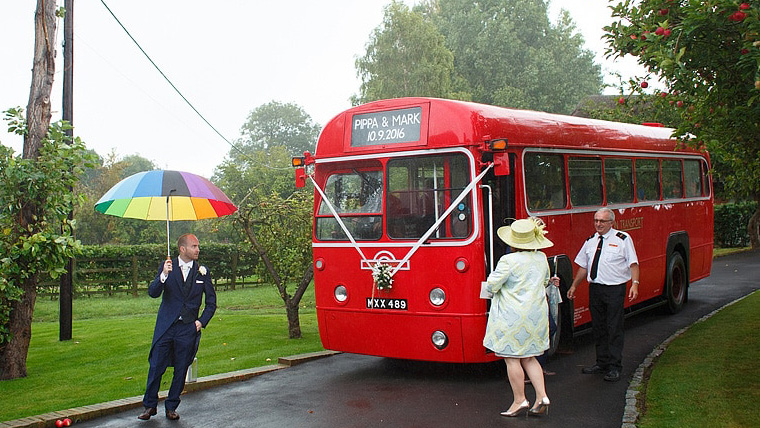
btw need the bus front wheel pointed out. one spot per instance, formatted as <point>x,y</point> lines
<point>676,283</point>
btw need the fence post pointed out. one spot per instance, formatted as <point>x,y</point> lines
<point>134,275</point>
<point>234,269</point>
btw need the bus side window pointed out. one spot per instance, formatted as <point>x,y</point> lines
<point>585,181</point>
<point>545,181</point>
<point>692,175</point>
<point>672,187</point>
<point>647,179</point>
<point>618,176</point>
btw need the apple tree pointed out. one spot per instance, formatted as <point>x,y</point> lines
<point>707,56</point>
<point>273,215</point>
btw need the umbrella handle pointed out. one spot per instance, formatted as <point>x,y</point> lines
<point>168,253</point>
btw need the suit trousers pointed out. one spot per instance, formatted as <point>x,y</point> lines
<point>606,305</point>
<point>176,348</point>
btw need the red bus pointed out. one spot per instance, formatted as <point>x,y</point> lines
<point>421,185</point>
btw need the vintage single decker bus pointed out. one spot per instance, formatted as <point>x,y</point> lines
<point>419,186</point>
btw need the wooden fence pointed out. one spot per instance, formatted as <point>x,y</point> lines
<point>112,276</point>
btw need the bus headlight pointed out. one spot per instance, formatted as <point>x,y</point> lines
<point>440,340</point>
<point>437,296</point>
<point>341,293</point>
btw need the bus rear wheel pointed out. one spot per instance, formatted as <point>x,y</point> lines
<point>676,283</point>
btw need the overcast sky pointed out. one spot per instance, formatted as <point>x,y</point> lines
<point>227,57</point>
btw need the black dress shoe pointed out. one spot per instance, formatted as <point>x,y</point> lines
<point>147,413</point>
<point>612,375</point>
<point>172,415</point>
<point>595,369</point>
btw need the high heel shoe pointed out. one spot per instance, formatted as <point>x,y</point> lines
<point>540,408</point>
<point>520,410</point>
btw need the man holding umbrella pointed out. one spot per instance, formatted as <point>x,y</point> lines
<point>182,281</point>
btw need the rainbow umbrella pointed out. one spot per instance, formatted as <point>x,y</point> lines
<point>165,195</point>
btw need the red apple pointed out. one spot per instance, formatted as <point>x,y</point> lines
<point>644,84</point>
<point>666,32</point>
<point>659,31</point>
<point>621,100</point>
<point>59,423</point>
<point>744,6</point>
<point>679,103</point>
<point>67,422</point>
<point>663,12</point>
<point>737,16</point>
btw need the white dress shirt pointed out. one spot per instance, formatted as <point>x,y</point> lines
<point>618,254</point>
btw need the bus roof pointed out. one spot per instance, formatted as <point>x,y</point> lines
<point>449,123</point>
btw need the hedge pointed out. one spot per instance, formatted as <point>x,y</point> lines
<point>731,223</point>
<point>108,269</point>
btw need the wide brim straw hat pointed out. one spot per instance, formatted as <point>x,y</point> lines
<point>525,234</point>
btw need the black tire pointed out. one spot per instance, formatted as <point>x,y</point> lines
<point>676,283</point>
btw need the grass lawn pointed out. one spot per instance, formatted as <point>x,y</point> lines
<point>708,376</point>
<point>107,358</point>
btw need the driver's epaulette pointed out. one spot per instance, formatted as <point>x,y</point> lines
<point>590,237</point>
<point>621,235</point>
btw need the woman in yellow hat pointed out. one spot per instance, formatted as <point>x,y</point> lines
<point>518,324</point>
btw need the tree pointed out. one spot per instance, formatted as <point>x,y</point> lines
<point>18,309</point>
<point>504,52</point>
<point>277,123</point>
<point>273,215</point>
<point>406,56</point>
<point>35,232</point>
<point>707,54</point>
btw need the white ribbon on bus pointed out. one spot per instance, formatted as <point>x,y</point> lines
<point>424,237</point>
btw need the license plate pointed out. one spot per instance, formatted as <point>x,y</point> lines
<point>394,304</point>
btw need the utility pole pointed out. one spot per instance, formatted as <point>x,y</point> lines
<point>67,281</point>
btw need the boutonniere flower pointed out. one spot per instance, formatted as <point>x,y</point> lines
<point>202,270</point>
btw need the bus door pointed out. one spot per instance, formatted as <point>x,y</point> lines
<point>498,210</point>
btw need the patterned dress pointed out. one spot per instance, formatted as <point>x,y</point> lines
<point>518,324</point>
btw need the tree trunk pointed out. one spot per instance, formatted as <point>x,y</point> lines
<point>294,323</point>
<point>753,229</point>
<point>43,71</point>
<point>13,354</point>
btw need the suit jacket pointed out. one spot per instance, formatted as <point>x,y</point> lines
<point>174,299</point>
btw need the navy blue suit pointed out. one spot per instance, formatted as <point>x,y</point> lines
<point>175,340</point>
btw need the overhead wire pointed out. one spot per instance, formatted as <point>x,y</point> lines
<point>181,94</point>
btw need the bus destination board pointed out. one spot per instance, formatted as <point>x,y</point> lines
<point>386,127</point>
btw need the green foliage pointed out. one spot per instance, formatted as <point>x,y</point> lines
<point>730,221</point>
<point>35,232</point>
<point>505,52</point>
<point>708,56</point>
<point>106,268</point>
<point>284,229</point>
<point>277,124</point>
<point>406,56</point>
